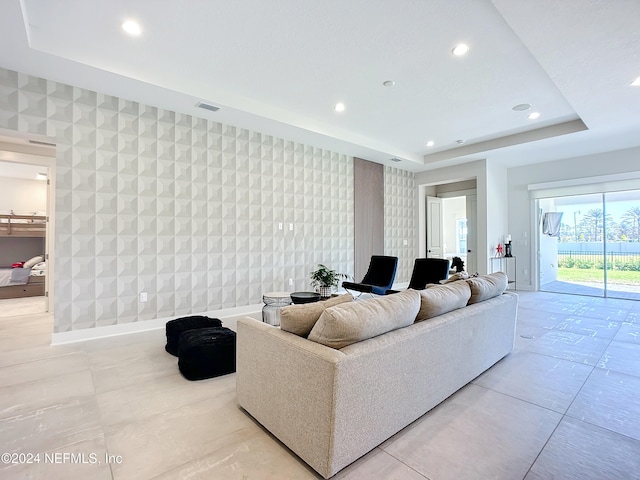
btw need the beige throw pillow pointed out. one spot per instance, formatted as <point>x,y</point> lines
<point>487,286</point>
<point>353,322</point>
<point>442,299</point>
<point>300,319</point>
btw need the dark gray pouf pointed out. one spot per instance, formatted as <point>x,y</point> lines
<point>175,328</point>
<point>207,352</point>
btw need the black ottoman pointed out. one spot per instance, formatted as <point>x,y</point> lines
<point>207,352</point>
<point>176,327</point>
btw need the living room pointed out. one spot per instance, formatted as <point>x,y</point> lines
<point>205,215</point>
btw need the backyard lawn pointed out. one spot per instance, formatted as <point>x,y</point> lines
<point>593,275</point>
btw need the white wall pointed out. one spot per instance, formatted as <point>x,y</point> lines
<point>22,196</point>
<point>497,208</point>
<point>548,246</point>
<point>522,224</point>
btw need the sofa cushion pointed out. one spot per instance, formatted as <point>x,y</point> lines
<point>441,299</point>
<point>485,287</point>
<point>353,322</point>
<point>300,319</point>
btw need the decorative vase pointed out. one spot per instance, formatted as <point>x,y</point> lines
<point>324,291</point>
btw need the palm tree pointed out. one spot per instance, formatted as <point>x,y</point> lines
<point>633,216</point>
<point>593,222</point>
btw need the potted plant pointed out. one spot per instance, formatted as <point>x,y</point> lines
<point>324,279</point>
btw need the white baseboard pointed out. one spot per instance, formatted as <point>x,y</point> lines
<point>229,317</point>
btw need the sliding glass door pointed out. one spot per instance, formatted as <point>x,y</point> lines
<point>622,259</point>
<point>595,249</point>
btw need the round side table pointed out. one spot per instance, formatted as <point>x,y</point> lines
<point>273,302</point>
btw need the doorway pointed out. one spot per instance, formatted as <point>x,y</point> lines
<point>450,223</point>
<point>596,248</point>
<point>26,203</point>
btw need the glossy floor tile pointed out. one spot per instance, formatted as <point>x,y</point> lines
<point>622,357</point>
<point>545,381</point>
<point>589,327</point>
<point>628,332</point>
<point>610,400</point>
<point>581,451</point>
<point>570,346</point>
<point>476,433</point>
<point>565,404</point>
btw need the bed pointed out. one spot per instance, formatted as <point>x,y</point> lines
<point>23,282</point>
<point>13,228</point>
<point>22,225</point>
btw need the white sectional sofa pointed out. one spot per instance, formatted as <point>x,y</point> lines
<point>332,405</point>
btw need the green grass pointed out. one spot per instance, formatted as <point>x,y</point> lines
<point>596,275</point>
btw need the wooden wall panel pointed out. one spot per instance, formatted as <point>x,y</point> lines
<point>368,213</point>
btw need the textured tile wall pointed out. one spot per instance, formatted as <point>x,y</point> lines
<point>180,207</point>
<point>184,208</point>
<point>400,220</point>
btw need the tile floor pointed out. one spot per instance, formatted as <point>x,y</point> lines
<point>564,405</point>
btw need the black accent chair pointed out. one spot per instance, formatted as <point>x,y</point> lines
<point>379,277</point>
<point>427,270</point>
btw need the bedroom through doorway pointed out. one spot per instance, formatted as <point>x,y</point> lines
<point>25,237</point>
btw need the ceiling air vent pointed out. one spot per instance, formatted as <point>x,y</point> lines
<point>206,106</point>
<point>45,144</point>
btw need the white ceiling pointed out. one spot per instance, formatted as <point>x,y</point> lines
<point>279,67</point>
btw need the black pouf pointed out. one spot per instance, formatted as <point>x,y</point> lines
<point>207,352</point>
<point>176,327</point>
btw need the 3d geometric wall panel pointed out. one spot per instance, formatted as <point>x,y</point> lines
<point>400,220</point>
<point>186,209</point>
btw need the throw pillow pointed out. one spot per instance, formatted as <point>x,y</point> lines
<point>353,322</point>
<point>485,287</point>
<point>32,261</point>
<point>442,299</point>
<point>300,319</point>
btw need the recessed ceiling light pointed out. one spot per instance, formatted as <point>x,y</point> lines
<point>339,107</point>
<point>460,142</point>
<point>132,27</point>
<point>430,143</point>
<point>533,115</point>
<point>636,82</point>
<point>521,107</point>
<point>388,83</point>
<point>460,49</point>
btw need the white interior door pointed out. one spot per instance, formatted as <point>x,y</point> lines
<point>434,228</point>
<point>472,236</point>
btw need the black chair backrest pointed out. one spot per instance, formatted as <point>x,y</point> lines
<point>382,271</point>
<point>428,270</point>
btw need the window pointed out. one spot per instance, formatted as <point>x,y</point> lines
<point>461,236</point>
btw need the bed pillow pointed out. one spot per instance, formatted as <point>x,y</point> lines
<point>442,299</point>
<point>300,319</point>
<point>353,322</point>
<point>487,286</point>
<point>32,261</point>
